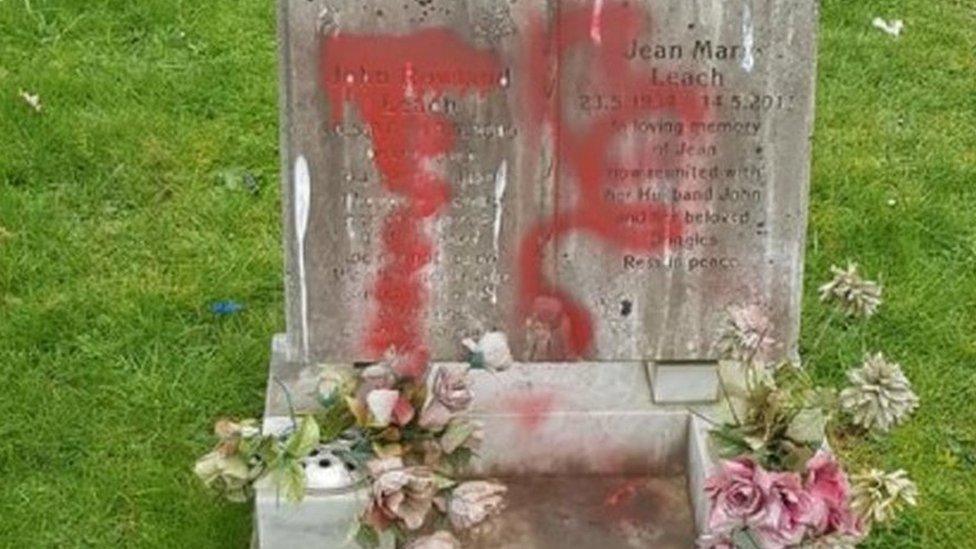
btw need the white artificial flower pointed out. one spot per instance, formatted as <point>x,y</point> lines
<point>491,351</point>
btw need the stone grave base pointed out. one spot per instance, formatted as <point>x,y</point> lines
<point>586,452</point>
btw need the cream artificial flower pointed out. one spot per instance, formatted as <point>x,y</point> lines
<point>856,296</point>
<point>877,496</point>
<point>880,396</point>
<point>227,475</point>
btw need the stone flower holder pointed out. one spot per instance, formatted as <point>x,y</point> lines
<point>583,447</point>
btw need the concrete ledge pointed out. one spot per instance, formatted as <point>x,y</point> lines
<point>701,462</point>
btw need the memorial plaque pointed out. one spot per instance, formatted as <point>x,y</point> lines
<point>404,114</point>
<point>598,179</point>
<point>686,169</point>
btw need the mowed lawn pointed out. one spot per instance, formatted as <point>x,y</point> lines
<point>128,206</point>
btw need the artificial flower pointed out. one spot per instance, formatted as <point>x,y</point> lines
<point>473,502</point>
<point>438,540</point>
<point>381,403</point>
<point>789,511</point>
<point>856,296</point>
<point>827,483</point>
<point>460,433</point>
<point>738,495</point>
<point>377,376</point>
<point>226,429</point>
<point>227,475</point>
<point>490,352</point>
<point>878,496</point>
<point>880,396</point>
<point>451,387</point>
<point>404,494</point>
<point>334,382</point>
<point>450,393</point>
<point>747,334</point>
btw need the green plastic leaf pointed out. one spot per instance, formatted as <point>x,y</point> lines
<point>459,460</point>
<point>456,434</point>
<point>367,537</point>
<point>397,533</point>
<point>797,457</point>
<point>729,443</point>
<point>290,480</point>
<point>743,539</point>
<point>754,443</point>
<point>304,439</point>
<point>443,483</point>
<point>334,420</point>
<point>808,426</point>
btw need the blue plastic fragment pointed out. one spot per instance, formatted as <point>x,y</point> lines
<point>224,308</point>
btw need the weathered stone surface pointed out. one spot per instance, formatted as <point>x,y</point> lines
<point>598,179</point>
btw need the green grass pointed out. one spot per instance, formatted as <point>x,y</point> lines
<point>897,122</point>
<point>116,234</point>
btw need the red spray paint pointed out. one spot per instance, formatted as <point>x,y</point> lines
<point>390,79</point>
<point>585,153</point>
<point>406,139</point>
<point>532,409</point>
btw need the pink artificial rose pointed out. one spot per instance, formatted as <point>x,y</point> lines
<point>790,510</point>
<point>452,388</point>
<point>405,494</point>
<point>827,484</point>
<point>450,393</point>
<point>737,493</point>
<point>435,416</point>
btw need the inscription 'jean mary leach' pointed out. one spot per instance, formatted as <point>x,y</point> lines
<point>701,50</point>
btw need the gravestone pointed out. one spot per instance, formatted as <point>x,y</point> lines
<point>601,180</point>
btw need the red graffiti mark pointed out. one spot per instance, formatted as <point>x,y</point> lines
<point>623,494</point>
<point>392,80</point>
<point>639,226</point>
<point>531,409</point>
